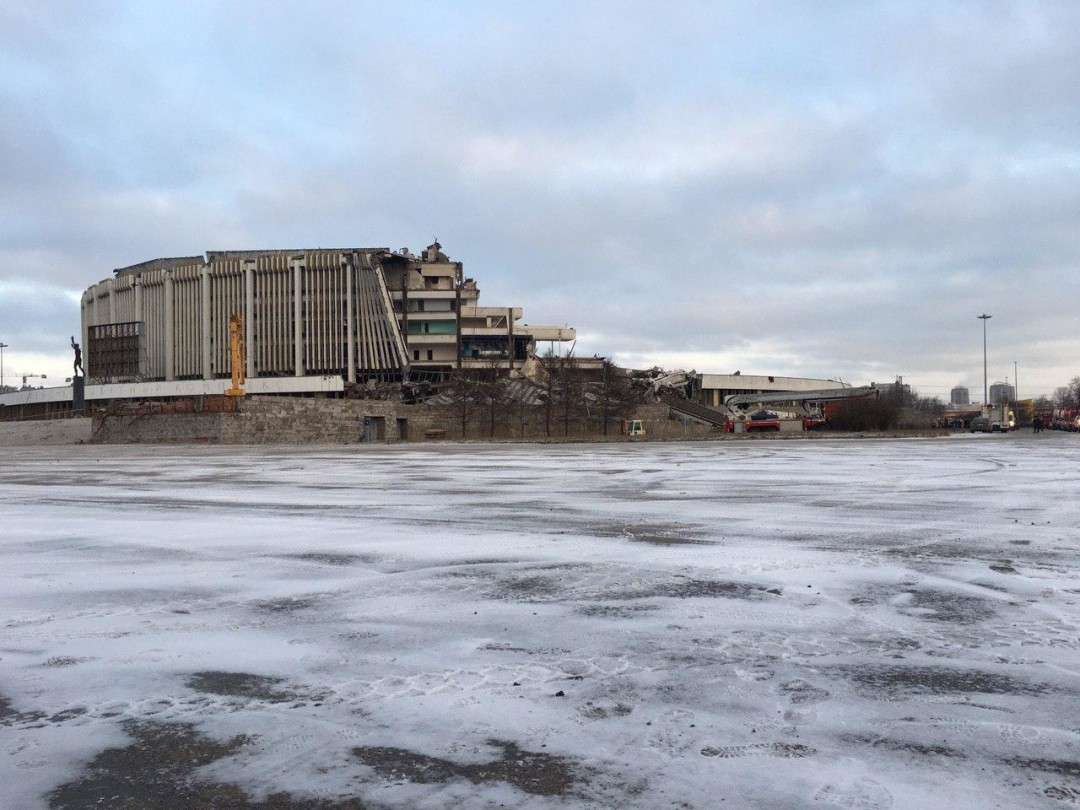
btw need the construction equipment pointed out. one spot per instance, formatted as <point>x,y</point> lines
<point>633,427</point>
<point>26,377</point>
<point>803,409</point>
<point>236,356</point>
<point>791,410</point>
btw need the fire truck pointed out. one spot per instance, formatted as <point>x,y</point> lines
<point>795,410</point>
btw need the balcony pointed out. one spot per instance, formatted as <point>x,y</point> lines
<point>491,312</point>
<point>415,295</point>
<point>424,315</point>
<point>539,333</point>
<point>485,331</point>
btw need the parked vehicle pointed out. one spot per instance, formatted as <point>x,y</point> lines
<point>1067,419</point>
<point>982,424</point>
<point>763,421</point>
<point>1002,418</point>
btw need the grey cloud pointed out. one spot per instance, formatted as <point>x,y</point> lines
<point>834,187</point>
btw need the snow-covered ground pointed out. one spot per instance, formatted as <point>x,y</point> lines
<point>773,624</point>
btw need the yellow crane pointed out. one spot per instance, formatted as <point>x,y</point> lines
<point>236,356</point>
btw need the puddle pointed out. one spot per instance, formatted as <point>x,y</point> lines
<point>157,771</point>
<point>691,588</point>
<point>243,684</point>
<point>287,604</point>
<point>655,534</point>
<point>327,558</point>
<point>535,773</point>
<point>9,716</point>
<point>943,606</point>
<point>937,680</point>
<point>905,746</point>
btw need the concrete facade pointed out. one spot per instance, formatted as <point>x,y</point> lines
<point>356,313</point>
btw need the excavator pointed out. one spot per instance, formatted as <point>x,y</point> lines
<point>749,413</point>
<point>804,408</point>
<point>236,356</point>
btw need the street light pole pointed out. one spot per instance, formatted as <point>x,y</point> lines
<point>986,391</point>
<point>1016,384</point>
<point>2,347</point>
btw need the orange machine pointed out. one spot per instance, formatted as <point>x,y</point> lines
<point>236,356</point>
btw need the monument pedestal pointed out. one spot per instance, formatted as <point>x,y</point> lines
<point>78,396</point>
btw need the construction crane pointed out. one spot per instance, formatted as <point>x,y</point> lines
<point>26,377</point>
<point>236,356</point>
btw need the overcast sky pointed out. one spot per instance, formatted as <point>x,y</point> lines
<point>831,189</point>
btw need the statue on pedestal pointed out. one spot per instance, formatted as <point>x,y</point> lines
<point>79,372</point>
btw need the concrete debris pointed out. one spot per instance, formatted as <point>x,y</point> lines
<point>656,381</point>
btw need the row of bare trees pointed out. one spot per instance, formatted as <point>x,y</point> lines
<point>1065,396</point>
<point>566,401</point>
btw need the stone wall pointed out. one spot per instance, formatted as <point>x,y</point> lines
<point>298,420</point>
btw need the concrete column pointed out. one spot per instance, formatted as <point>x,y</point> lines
<point>350,319</point>
<point>207,355</point>
<point>85,307</point>
<point>249,317</point>
<point>112,300</point>
<point>298,314</point>
<point>136,286</point>
<point>170,329</point>
<point>137,292</point>
<point>510,338</point>
<point>457,323</point>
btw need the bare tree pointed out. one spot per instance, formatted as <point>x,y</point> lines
<point>491,391</point>
<point>464,393</point>
<point>614,394</point>
<point>1065,397</point>
<point>570,392</point>
<point>551,387</point>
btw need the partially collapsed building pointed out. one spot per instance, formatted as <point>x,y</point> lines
<point>352,342</point>
<point>346,314</point>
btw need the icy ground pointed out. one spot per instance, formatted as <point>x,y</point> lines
<point>746,624</point>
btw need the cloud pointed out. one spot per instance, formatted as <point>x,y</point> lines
<point>829,190</point>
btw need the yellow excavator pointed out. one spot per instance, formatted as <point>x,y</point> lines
<point>236,356</point>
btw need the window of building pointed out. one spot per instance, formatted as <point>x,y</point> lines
<point>416,354</point>
<point>429,355</point>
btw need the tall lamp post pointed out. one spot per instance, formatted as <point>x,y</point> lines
<point>986,391</point>
<point>1016,384</point>
<point>2,347</point>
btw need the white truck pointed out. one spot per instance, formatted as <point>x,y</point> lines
<point>1002,418</point>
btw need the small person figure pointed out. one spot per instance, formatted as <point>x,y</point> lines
<point>79,372</point>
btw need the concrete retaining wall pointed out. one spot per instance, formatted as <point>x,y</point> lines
<point>294,420</point>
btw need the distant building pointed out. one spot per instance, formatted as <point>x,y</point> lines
<point>713,388</point>
<point>960,395</point>
<point>1001,392</point>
